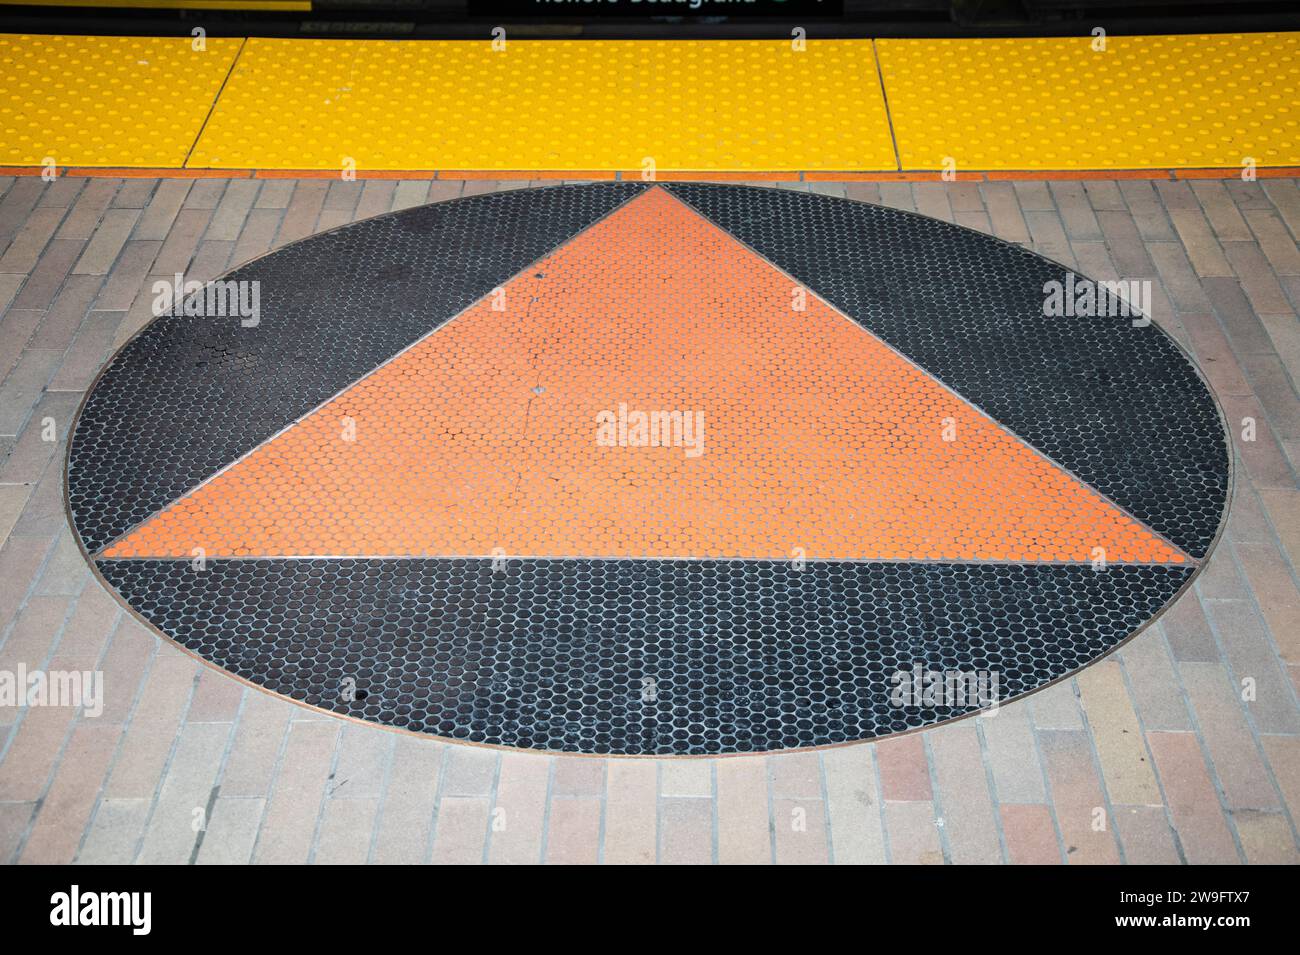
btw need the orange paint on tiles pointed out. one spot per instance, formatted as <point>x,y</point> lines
<point>512,430</point>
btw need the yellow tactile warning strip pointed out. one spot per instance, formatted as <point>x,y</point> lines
<point>550,104</point>
<point>106,101</point>
<point>1095,103</point>
<point>568,415</point>
<point>688,108</point>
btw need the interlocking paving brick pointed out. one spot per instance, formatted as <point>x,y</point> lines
<point>578,777</point>
<point>406,815</point>
<point>292,812</point>
<point>62,192</point>
<point>1276,595</point>
<point>91,204</point>
<point>853,805</point>
<point>360,764</point>
<point>469,771</point>
<point>1266,837</point>
<point>86,354</point>
<point>932,200</point>
<point>1087,831</point>
<point>275,194</point>
<point>1056,707</point>
<point>345,831</point>
<point>1179,278</point>
<point>23,386</point>
<point>114,836</point>
<point>1283,755</point>
<point>125,666</point>
<point>964,801</point>
<point>904,769</point>
<point>1004,212</point>
<point>181,243</point>
<point>1117,736</point>
<point>1148,211</point>
<point>744,836</point>
<point>1153,682</point>
<point>685,830</point>
<point>1145,835</point>
<point>1030,835</point>
<point>797,775</point>
<point>1125,244</point>
<point>232,831</point>
<point>300,216</point>
<point>25,249</point>
<point>461,830</point>
<point>228,221</point>
<point>1193,803</point>
<point>912,834</point>
<point>15,818</point>
<point>184,794</point>
<point>1221,721</point>
<point>1219,208</point>
<point>573,831</point>
<point>1276,393</point>
<point>216,698</point>
<point>1257,279</point>
<point>134,193</point>
<point>205,194</point>
<point>1198,240</point>
<point>87,632</point>
<point>519,814</point>
<point>799,827</point>
<point>107,243</point>
<point>154,723</point>
<point>1012,756</point>
<point>1250,654</point>
<point>686,777</point>
<point>1275,241</point>
<point>259,737</point>
<point>65,809</point>
<point>161,212</point>
<point>32,451</point>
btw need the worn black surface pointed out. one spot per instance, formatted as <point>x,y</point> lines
<point>1118,406</point>
<point>558,654</point>
<point>189,395</point>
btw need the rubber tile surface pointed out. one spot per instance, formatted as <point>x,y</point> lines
<point>106,101</point>
<point>784,428</point>
<point>482,533</point>
<point>539,104</point>
<point>1058,103</point>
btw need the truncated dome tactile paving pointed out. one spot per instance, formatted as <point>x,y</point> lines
<point>650,469</point>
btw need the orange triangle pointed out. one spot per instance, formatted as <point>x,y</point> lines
<point>513,430</point>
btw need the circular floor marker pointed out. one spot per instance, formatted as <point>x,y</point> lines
<point>650,469</point>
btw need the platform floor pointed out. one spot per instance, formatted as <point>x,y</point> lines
<point>1148,756</point>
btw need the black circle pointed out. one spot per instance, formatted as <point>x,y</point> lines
<point>648,656</point>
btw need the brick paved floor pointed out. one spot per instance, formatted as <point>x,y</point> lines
<point>1149,756</point>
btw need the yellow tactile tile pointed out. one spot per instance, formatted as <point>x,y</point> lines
<point>106,101</point>
<point>590,105</point>
<point>1057,103</point>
